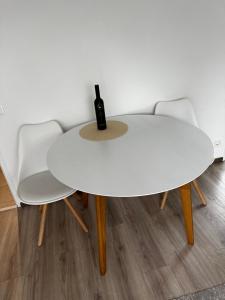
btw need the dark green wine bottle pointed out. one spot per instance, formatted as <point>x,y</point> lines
<point>99,110</point>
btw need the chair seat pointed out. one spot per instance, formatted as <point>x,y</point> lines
<point>42,188</point>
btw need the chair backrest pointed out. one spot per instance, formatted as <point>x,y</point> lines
<point>34,143</point>
<point>180,109</point>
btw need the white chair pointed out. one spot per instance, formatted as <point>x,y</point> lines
<point>181,109</point>
<point>37,186</point>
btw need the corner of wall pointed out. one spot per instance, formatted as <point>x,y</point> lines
<point>11,183</point>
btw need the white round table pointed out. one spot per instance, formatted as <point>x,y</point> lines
<point>156,154</point>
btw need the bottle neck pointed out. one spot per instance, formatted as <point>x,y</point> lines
<point>97,91</point>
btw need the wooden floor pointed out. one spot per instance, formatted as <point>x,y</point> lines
<point>6,199</point>
<point>148,257</point>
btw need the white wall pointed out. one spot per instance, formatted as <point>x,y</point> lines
<point>142,51</point>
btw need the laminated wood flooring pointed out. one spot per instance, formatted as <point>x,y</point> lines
<point>148,258</point>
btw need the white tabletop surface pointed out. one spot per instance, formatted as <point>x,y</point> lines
<point>155,155</point>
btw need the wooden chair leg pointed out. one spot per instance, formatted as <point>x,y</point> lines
<point>199,192</point>
<point>164,199</point>
<point>85,200</point>
<point>101,226</point>
<point>76,215</point>
<point>41,209</point>
<point>185,192</point>
<point>77,196</point>
<point>42,224</point>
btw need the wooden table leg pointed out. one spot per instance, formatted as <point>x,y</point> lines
<point>199,192</point>
<point>101,226</point>
<point>85,200</point>
<point>185,192</point>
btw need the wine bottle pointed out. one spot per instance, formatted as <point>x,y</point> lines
<point>99,110</point>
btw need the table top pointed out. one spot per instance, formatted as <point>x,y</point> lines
<point>156,154</point>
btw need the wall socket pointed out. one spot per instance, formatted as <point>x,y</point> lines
<point>217,143</point>
<point>2,109</point>
<point>218,149</point>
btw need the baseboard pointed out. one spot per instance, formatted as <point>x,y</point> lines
<point>8,208</point>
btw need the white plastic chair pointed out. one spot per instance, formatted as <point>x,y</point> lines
<point>37,186</point>
<point>181,109</point>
